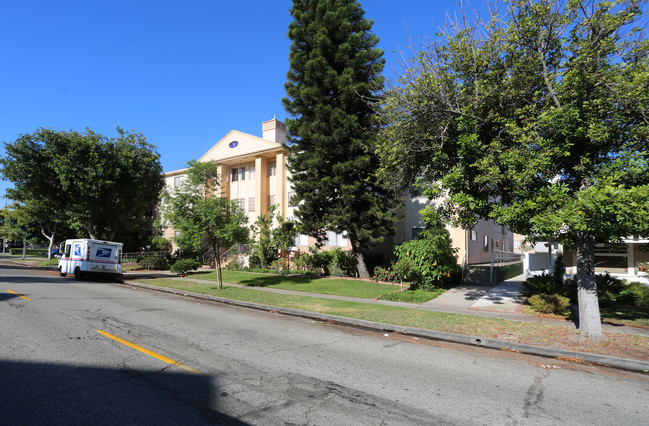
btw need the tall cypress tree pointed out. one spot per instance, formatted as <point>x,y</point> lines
<point>335,71</point>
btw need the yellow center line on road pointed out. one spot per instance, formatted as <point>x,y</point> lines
<point>19,295</point>
<point>148,352</point>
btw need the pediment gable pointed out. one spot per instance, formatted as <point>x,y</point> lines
<point>237,144</point>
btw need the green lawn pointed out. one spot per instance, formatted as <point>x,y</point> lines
<point>524,332</point>
<point>371,312</point>
<point>626,315</point>
<point>309,284</point>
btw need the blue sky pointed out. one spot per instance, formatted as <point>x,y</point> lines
<point>182,73</point>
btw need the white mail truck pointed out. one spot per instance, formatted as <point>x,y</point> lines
<point>87,258</point>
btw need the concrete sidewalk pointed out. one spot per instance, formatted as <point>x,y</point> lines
<point>464,301</point>
<point>502,301</point>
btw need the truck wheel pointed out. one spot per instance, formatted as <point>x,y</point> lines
<point>77,274</point>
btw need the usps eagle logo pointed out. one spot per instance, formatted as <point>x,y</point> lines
<point>77,250</point>
<point>103,252</point>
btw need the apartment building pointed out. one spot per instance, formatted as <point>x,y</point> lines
<point>253,172</point>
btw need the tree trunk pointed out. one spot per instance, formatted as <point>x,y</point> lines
<point>217,262</point>
<point>92,232</point>
<point>24,248</point>
<point>361,266</point>
<point>50,238</point>
<point>590,323</point>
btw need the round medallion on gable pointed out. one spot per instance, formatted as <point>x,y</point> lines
<point>233,144</point>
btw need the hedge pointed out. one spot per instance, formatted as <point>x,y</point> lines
<point>508,271</point>
<point>28,252</point>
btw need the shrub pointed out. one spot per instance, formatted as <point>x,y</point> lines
<point>153,262</point>
<point>385,274</point>
<point>544,284</point>
<point>277,265</point>
<point>628,297</point>
<point>642,290</point>
<point>549,303</point>
<point>559,267</point>
<point>314,260</point>
<point>612,290</point>
<point>609,289</point>
<point>342,263</point>
<point>28,252</point>
<point>609,284</point>
<point>183,266</point>
<point>335,262</point>
<point>429,262</point>
<point>235,264</point>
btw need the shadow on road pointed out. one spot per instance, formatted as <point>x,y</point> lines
<point>35,393</point>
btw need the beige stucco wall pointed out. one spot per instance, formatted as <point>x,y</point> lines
<point>473,250</point>
<point>238,150</point>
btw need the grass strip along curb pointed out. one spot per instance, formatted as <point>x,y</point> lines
<point>486,342</point>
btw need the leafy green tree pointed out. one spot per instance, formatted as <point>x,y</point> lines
<point>101,187</point>
<point>272,236</point>
<point>47,222</point>
<point>536,118</point>
<point>335,71</point>
<point>199,214</point>
<point>18,224</point>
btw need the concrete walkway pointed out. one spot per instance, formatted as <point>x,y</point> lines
<point>505,297</point>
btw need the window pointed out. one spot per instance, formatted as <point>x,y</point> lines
<point>241,202</point>
<point>251,172</point>
<point>272,168</point>
<point>242,170</point>
<point>251,204</point>
<point>301,240</point>
<point>234,174</point>
<point>336,240</point>
<point>178,180</point>
<point>614,258</point>
<point>474,235</point>
<point>272,199</point>
<point>486,243</point>
<point>416,231</point>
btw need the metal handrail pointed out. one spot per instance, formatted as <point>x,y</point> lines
<point>207,255</point>
<point>500,258</point>
<point>141,254</point>
<point>464,264</point>
<point>240,249</point>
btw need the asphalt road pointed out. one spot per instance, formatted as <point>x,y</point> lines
<point>104,353</point>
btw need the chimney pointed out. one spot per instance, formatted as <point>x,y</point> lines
<point>274,130</point>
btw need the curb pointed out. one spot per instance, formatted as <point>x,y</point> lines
<point>485,342</point>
